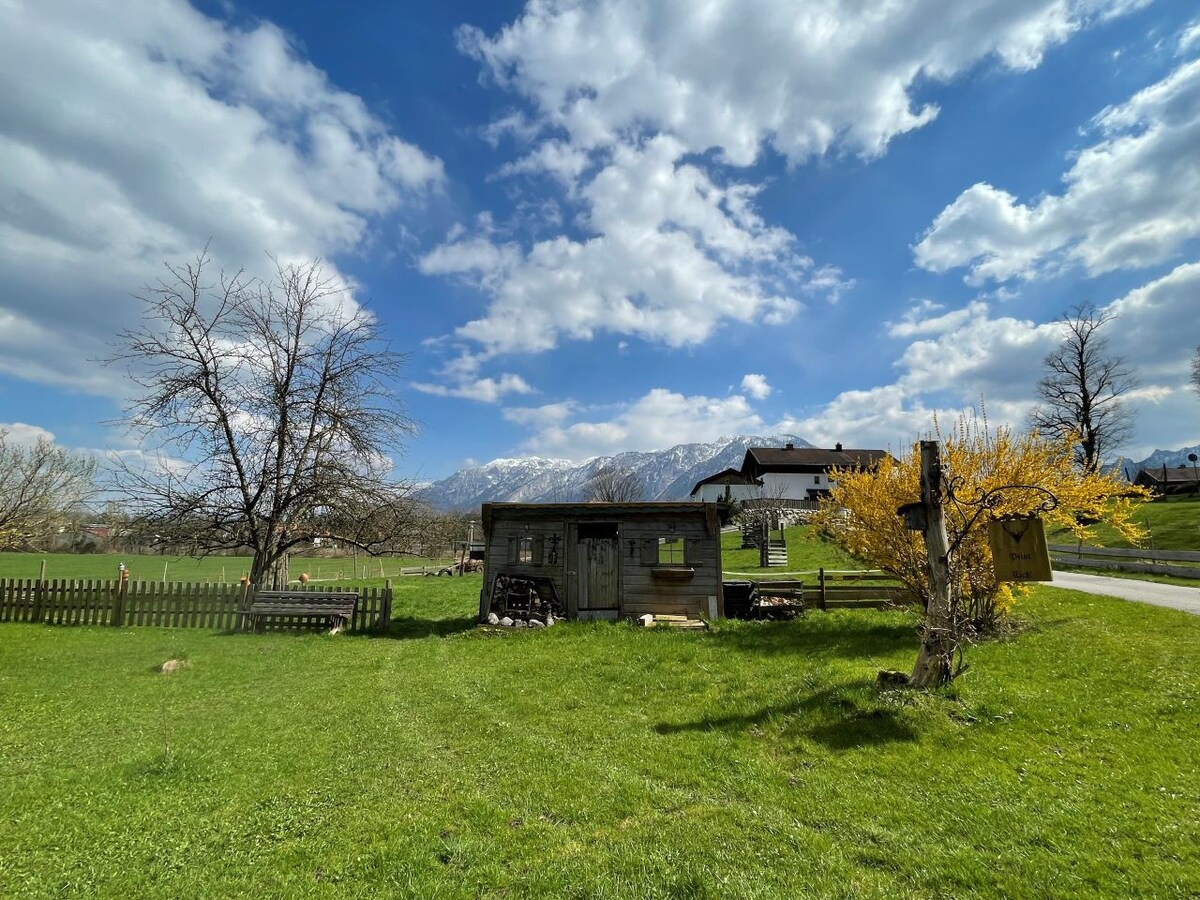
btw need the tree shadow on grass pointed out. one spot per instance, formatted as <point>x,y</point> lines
<point>847,637</point>
<point>404,628</point>
<point>832,717</point>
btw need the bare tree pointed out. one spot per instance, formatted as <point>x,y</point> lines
<point>610,484</point>
<point>271,408</point>
<point>42,488</point>
<point>1082,389</point>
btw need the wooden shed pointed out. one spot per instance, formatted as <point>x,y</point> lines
<point>603,560</point>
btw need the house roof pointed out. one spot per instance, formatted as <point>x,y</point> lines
<point>1172,475</point>
<point>726,476</point>
<point>807,459</point>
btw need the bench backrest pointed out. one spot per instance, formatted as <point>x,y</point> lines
<point>314,597</point>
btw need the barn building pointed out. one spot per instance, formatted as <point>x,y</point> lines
<point>602,560</point>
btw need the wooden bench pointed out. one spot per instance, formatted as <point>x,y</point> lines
<point>296,609</point>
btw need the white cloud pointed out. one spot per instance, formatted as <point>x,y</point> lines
<point>671,255</point>
<point>1129,199</point>
<point>24,435</point>
<point>966,354</point>
<point>1190,37</point>
<point>131,134</point>
<point>484,390</point>
<point>627,99</point>
<point>735,76</point>
<point>661,418</point>
<point>756,386</point>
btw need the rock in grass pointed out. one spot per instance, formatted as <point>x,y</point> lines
<point>550,620</point>
<point>493,619</point>
<point>520,623</point>
<point>536,623</point>
<point>506,622</point>
<point>173,665</point>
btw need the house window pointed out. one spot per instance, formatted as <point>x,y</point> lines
<point>816,479</point>
<point>525,549</point>
<point>670,551</point>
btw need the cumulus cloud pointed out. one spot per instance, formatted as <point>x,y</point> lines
<point>136,133</point>
<point>660,418</point>
<point>638,112</point>
<point>1129,199</point>
<point>24,435</point>
<point>963,355</point>
<point>671,255</point>
<point>484,390</point>
<point>735,76</point>
<point>756,386</point>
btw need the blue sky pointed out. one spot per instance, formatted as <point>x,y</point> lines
<point>619,225</point>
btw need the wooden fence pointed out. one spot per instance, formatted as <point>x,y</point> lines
<point>126,604</point>
<point>1156,562</point>
<point>859,589</point>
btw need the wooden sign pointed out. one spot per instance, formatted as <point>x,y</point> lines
<point>1019,550</point>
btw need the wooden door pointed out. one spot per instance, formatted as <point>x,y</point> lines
<point>599,578</point>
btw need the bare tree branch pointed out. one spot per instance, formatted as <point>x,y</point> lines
<point>610,484</point>
<point>42,488</point>
<point>272,412</point>
<point>1082,388</point>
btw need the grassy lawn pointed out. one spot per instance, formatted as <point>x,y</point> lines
<point>806,553</point>
<point>213,569</point>
<point>595,760</point>
<point>1174,525</point>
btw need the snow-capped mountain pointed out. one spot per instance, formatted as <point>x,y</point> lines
<point>1159,458</point>
<point>664,474</point>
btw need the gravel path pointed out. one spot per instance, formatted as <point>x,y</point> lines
<point>1169,595</point>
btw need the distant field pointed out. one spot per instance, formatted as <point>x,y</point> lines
<point>214,569</point>
<point>1173,525</point>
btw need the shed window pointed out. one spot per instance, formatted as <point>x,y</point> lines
<point>525,550</point>
<point>671,551</point>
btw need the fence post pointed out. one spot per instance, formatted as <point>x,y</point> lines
<point>118,617</point>
<point>385,615</point>
<point>243,607</point>
<point>37,594</point>
<point>821,579</point>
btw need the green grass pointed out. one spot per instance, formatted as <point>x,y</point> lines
<point>1173,524</point>
<point>807,552</point>
<point>214,569</point>
<point>596,760</point>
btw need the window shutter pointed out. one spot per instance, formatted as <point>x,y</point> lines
<point>539,549</point>
<point>649,551</point>
<point>512,549</point>
<point>691,551</point>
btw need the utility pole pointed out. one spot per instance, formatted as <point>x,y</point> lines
<point>935,659</point>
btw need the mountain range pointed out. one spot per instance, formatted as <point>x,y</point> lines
<point>1159,458</point>
<point>663,474</point>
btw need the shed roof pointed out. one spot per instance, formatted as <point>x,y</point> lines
<point>602,511</point>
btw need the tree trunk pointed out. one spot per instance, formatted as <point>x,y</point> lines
<point>269,570</point>
<point>936,657</point>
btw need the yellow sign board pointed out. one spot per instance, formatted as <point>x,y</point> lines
<point>1019,551</point>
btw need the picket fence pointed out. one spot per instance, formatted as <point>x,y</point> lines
<point>125,604</point>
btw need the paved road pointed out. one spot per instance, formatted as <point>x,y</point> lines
<point>1170,595</point>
